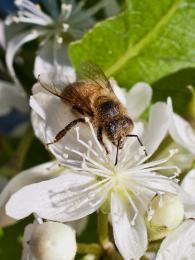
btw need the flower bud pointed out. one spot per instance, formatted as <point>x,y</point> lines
<point>167,213</point>
<point>52,240</point>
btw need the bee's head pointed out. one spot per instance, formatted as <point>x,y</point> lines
<point>117,129</point>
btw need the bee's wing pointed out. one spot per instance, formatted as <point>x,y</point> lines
<point>91,72</point>
<point>50,86</point>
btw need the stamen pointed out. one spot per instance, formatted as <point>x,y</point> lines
<point>31,13</point>
<point>89,148</point>
<point>100,166</point>
<point>66,7</point>
<point>132,204</point>
<point>157,162</point>
<point>59,39</point>
<point>65,27</point>
<point>95,139</point>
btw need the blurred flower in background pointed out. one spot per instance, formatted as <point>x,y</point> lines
<point>55,27</point>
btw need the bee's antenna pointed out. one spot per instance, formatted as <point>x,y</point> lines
<point>140,142</point>
<point>116,160</point>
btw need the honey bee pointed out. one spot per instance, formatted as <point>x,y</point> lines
<point>93,96</point>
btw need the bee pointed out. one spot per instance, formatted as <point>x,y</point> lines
<point>93,97</point>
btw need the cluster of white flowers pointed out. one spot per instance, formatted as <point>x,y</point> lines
<point>145,197</point>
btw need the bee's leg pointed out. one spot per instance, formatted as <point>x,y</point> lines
<point>64,131</point>
<point>100,139</point>
<point>140,142</point>
<point>117,151</point>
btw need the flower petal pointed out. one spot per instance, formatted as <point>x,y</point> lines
<point>138,99</point>
<point>11,98</point>
<point>58,64</point>
<point>65,198</point>
<point>188,194</point>
<point>14,45</point>
<point>42,172</point>
<point>157,127</point>
<point>179,244</point>
<point>45,105</point>
<point>188,183</point>
<point>2,35</point>
<point>38,124</point>
<point>181,131</point>
<point>131,240</point>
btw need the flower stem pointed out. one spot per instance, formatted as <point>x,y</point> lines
<point>103,233</point>
<point>103,228</point>
<point>89,249</point>
<point>15,164</point>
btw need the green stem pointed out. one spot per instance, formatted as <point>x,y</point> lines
<point>6,148</point>
<point>89,249</point>
<point>103,228</point>
<point>16,162</point>
<point>105,242</point>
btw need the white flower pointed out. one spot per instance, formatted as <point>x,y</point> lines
<point>56,30</point>
<point>92,177</point>
<point>181,131</point>
<point>48,241</point>
<point>180,244</point>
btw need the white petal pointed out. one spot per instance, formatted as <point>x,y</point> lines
<point>157,127</point>
<point>48,62</point>
<point>188,194</point>
<point>2,35</point>
<point>138,99</point>
<point>57,115</point>
<point>181,131</point>
<point>38,124</point>
<point>14,45</point>
<point>180,244</point>
<point>188,183</point>
<point>131,240</point>
<point>42,172</point>
<point>11,98</point>
<point>61,199</point>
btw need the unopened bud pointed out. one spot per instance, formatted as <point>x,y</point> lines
<point>167,214</point>
<point>52,240</point>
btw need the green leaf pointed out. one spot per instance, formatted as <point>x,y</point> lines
<point>176,86</point>
<point>149,40</point>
